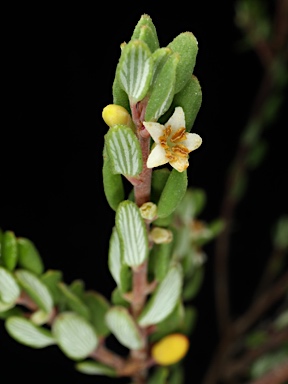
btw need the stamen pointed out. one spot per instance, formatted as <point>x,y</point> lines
<point>163,138</point>
<point>168,131</point>
<point>180,150</point>
<point>179,135</point>
<point>170,156</point>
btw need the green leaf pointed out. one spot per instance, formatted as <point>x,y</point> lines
<point>117,298</point>
<point>148,36</point>
<point>98,306</point>
<point>172,193</point>
<point>5,306</point>
<point>190,99</point>
<point>164,299</point>
<point>15,311</point>
<point>185,44</point>
<point>9,250</point>
<point>132,233</point>
<point>191,205</point>
<point>124,328</point>
<point>172,324</point>
<point>216,227</point>
<point>121,272</point>
<point>198,199</point>
<point>34,287</point>
<point>135,69</point>
<point>29,257</point>
<point>74,335</point>
<point>73,302</point>
<point>159,375</point>
<point>50,279</point>
<point>1,237</point>
<point>114,256</point>
<point>159,57</point>
<point>124,151</point>
<point>193,285</point>
<point>162,91</point>
<point>190,318</point>
<point>177,375</point>
<point>159,179</point>
<point>181,242</point>
<point>160,258</point>
<point>125,278</point>
<point>78,288</point>
<point>164,221</point>
<point>145,30</point>
<point>112,183</point>
<point>27,333</point>
<point>120,97</point>
<point>9,289</point>
<point>93,368</point>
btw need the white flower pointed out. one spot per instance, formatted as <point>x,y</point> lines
<point>173,143</point>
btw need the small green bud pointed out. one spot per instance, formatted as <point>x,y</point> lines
<point>161,235</point>
<point>148,211</point>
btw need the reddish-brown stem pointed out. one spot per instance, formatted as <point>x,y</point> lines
<point>123,367</point>
<point>139,289</point>
<point>108,357</point>
<point>142,184</point>
<point>139,294</point>
<point>142,192</point>
<point>26,301</point>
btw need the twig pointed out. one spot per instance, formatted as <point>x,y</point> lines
<point>280,26</point>
<point>239,170</point>
<point>108,357</point>
<point>241,365</point>
<point>271,269</point>
<point>142,192</point>
<point>26,301</point>
<point>278,375</point>
<point>241,325</point>
<point>260,305</point>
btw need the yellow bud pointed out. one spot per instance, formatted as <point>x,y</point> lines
<point>148,211</point>
<point>161,235</point>
<point>115,114</point>
<point>170,349</point>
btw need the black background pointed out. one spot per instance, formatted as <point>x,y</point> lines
<point>59,69</point>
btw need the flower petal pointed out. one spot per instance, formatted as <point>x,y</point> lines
<point>180,164</point>
<point>192,142</point>
<point>155,130</point>
<point>177,120</point>
<point>157,157</point>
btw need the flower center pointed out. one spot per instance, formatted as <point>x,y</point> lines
<point>172,144</point>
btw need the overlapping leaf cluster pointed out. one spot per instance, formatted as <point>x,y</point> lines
<point>40,309</point>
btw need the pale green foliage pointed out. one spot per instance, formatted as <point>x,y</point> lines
<point>150,82</point>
